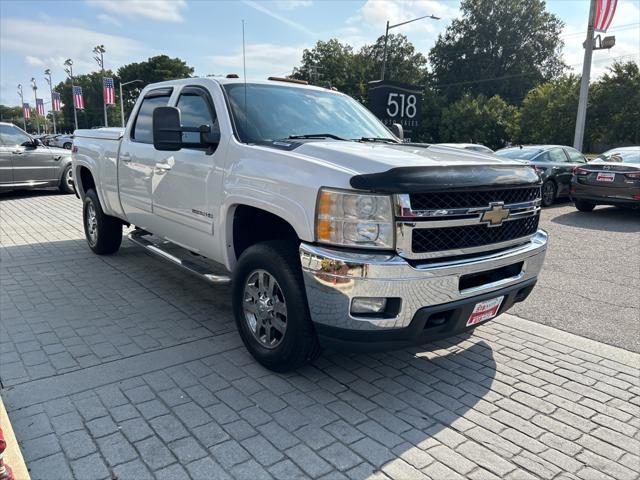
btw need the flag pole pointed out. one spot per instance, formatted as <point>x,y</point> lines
<point>24,120</point>
<point>35,98</point>
<point>581,116</point>
<point>69,64</point>
<point>47,73</point>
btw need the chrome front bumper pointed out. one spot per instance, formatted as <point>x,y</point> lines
<point>334,277</point>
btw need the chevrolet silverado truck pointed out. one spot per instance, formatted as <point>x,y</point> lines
<point>331,231</point>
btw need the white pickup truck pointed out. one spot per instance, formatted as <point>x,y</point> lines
<point>331,231</point>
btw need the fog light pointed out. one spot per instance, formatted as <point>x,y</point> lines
<point>368,305</point>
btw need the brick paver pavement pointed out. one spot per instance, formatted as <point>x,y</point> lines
<point>124,367</point>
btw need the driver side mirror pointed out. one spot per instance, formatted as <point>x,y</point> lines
<point>168,130</point>
<point>397,130</point>
<point>31,144</point>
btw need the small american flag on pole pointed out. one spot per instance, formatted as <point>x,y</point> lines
<point>604,14</point>
<point>78,100</point>
<point>40,107</point>
<point>56,103</point>
<point>109,91</point>
<point>26,111</point>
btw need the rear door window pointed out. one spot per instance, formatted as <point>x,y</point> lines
<point>143,129</point>
<point>557,155</point>
<point>575,156</point>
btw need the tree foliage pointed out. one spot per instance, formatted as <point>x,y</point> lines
<point>501,48</point>
<point>478,119</point>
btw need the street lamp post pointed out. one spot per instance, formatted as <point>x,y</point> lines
<point>24,120</point>
<point>386,37</point>
<point>122,101</point>
<point>68,63</point>
<point>47,77</point>
<point>35,98</point>
<point>99,58</point>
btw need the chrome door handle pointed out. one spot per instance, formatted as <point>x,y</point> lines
<point>162,167</point>
<point>125,158</point>
<point>17,152</point>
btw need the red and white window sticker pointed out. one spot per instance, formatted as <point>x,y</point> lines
<point>484,311</point>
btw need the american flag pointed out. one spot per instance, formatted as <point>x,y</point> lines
<point>78,100</point>
<point>26,111</point>
<point>109,91</point>
<point>604,14</point>
<point>56,103</point>
<point>40,107</point>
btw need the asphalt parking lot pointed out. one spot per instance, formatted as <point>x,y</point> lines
<point>125,367</point>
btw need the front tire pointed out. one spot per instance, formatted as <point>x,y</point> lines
<point>549,193</point>
<point>66,182</point>
<point>270,306</point>
<point>103,232</point>
<point>584,206</point>
<point>67,145</point>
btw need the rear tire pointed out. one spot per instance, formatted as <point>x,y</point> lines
<point>103,232</point>
<point>66,182</point>
<point>584,206</point>
<point>269,274</point>
<point>549,193</point>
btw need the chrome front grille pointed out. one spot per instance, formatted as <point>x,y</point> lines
<point>448,224</point>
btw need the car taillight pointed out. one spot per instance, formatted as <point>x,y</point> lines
<point>580,171</point>
<point>633,175</point>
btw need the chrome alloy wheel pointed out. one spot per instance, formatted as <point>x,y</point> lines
<point>68,179</point>
<point>92,223</point>
<point>265,309</point>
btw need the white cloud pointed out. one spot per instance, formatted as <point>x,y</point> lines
<point>280,18</point>
<point>377,12</point>
<point>109,20</point>
<point>263,59</point>
<point>20,36</point>
<point>162,10</point>
<point>34,61</point>
<point>291,4</point>
<point>627,33</point>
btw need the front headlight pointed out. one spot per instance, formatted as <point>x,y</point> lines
<point>355,219</point>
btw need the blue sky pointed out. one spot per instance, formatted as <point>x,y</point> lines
<point>35,35</point>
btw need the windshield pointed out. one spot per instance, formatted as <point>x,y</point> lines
<point>521,153</point>
<point>276,112</point>
<point>622,156</point>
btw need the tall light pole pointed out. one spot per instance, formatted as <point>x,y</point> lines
<point>581,116</point>
<point>122,101</point>
<point>35,98</point>
<point>386,37</point>
<point>47,77</point>
<point>68,63</point>
<point>99,58</point>
<point>24,121</point>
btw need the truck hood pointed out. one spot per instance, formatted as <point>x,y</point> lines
<point>419,167</point>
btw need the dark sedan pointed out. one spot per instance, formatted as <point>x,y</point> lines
<point>554,163</point>
<point>611,179</point>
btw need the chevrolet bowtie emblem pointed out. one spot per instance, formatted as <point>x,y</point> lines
<point>495,215</point>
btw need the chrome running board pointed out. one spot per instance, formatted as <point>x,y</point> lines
<point>137,237</point>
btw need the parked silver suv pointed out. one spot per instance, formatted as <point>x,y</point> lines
<point>26,163</point>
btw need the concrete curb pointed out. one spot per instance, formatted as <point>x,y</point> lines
<point>12,455</point>
<point>603,350</point>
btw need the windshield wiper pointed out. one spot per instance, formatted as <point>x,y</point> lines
<point>377,139</point>
<point>318,135</point>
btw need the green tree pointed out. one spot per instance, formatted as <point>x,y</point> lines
<point>14,115</point>
<point>152,70</point>
<point>548,112</point>
<point>501,48</point>
<point>488,121</point>
<point>404,62</point>
<point>613,117</point>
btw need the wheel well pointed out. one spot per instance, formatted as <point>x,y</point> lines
<point>86,179</point>
<point>252,225</point>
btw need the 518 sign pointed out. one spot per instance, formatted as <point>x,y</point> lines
<point>395,102</point>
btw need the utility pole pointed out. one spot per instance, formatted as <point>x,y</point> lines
<point>47,77</point>
<point>584,81</point>
<point>99,50</point>
<point>68,63</point>
<point>35,99</point>
<point>122,101</point>
<point>386,38</point>
<point>24,120</point>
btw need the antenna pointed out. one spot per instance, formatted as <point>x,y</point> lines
<point>244,75</point>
